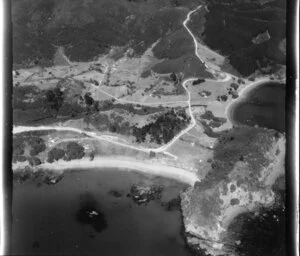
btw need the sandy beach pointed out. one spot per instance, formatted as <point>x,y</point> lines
<point>243,92</point>
<point>126,164</point>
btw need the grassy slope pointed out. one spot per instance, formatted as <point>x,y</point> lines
<point>89,28</point>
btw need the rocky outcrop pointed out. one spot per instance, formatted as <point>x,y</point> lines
<point>143,195</point>
<point>208,210</point>
<point>261,38</point>
<point>38,176</point>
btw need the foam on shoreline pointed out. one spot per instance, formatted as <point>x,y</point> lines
<point>243,93</point>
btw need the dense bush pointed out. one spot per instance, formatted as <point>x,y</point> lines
<point>74,151</point>
<point>71,110</point>
<point>246,143</point>
<point>37,145</point>
<point>164,128</point>
<point>55,98</point>
<point>33,161</point>
<point>187,64</point>
<point>234,86</point>
<point>88,99</point>
<point>234,95</point>
<point>19,158</point>
<point>230,28</point>
<point>21,93</point>
<point>34,143</point>
<point>208,130</point>
<point>198,81</point>
<point>207,115</point>
<point>55,154</point>
<point>222,98</point>
<point>18,146</point>
<point>104,23</point>
<point>214,121</point>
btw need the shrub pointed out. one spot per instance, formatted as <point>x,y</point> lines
<point>88,99</point>
<point>33,161</point>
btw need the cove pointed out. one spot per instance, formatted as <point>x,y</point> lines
<point>263,105</point>
<point>52,219</point>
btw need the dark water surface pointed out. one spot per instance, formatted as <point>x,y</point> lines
<point>263,235</point>
<point>264,106</point>
<point>50,219</point>
<point>264,232</point>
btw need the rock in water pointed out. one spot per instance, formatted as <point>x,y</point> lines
<point>142,195</point>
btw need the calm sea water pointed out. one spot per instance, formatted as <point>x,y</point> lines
<point>263,232</point>
<point>264,106</point>
<point>46,219</point>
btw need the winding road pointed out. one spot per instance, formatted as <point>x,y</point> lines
<point>115,140</point>
<point>192,35</point>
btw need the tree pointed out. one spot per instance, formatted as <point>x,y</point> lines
<point>173,76</point>
<point>198,81</point>
<point>88,99</point>
<point>55,98</point>
<point>234,86</point>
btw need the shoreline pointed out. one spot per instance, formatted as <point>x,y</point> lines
<point>125,164</point>
<point>243,93</point>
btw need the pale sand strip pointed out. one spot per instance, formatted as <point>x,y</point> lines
<point>125,164</point>
<point>243,93</point>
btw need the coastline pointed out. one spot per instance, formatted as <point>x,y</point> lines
<point>126,164</point>
<point>112,163</point>
<point>243,93</point>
